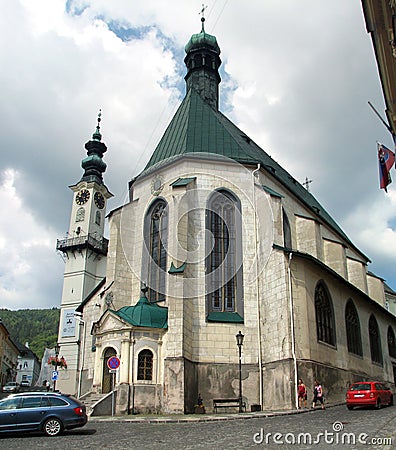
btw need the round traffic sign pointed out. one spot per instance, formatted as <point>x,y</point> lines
<point>113,362</point>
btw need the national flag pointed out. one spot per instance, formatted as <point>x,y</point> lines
<point>386,159</point>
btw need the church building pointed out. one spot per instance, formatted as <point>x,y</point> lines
<point>217,239</point>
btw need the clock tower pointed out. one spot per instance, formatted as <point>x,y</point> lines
<point>85,251</point>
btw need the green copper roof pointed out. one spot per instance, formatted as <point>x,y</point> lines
<point>200,130</point>
<point>173,269</point>
<point>272,192</point>
<point>202,39</point>
<point>232,317</point>
<point>93,164</point>
<point>144,314</point>
<point>182,182</point>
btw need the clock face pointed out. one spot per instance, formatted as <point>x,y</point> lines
<point>99,200</point>
<point>82,197</point>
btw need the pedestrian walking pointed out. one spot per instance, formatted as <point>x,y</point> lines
<point>318,395</point>
<point>302,394</point>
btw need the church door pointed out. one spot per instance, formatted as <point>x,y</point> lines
<point>107,376</point>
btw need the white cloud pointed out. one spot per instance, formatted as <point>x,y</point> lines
<point>370,224</point>
<point>27,249</point>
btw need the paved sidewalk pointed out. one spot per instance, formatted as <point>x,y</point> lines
<point>179,418</point>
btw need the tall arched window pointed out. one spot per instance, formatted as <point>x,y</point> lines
<point>287,239</point>
<point>391,342</point>
<point>375,341</point>
<point>155,251</point>
<point>224,262</point>
<point>325,326</point>
<point>352,325</point>
<point>145,365</point>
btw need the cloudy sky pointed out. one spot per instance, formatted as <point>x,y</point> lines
<point>297,76</point>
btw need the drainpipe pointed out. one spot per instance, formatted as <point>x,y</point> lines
<point>257,292</point>
<point>133,372</point>
<point>159,353</point>
<point>293,343</point>
<point>129,373</point>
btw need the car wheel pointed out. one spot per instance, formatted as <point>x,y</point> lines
<point>391,401</point>
<point>52,427</point>
<point>349,407</point>
<point>378,404</point>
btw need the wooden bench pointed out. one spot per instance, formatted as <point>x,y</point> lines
<point>227,403</point>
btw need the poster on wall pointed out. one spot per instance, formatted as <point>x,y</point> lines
<point>69,323</point>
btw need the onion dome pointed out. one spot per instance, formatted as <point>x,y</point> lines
<point>203,62</point>
<point>202,39</point>
<point>93,164</point>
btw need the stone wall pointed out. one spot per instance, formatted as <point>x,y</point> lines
<point>222,381</point>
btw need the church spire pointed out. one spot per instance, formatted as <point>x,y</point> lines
<point>93,164</point>
<point>97,136</point>
<point>203,62</point>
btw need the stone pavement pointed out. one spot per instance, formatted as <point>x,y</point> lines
<point>179,418</point>
<point>385,428</point>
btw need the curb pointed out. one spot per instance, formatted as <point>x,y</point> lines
<point>195,418</point>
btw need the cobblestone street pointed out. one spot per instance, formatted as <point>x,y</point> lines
<point>230,432</point>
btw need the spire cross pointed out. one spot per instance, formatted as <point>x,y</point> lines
<point>202,13</point>
<point>203,10</point>
<point>307,183</point>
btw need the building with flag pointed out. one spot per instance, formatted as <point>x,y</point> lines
<point>380,23</point>
<point>215,239</point>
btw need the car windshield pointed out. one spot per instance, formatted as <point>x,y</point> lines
<point>361,387</point>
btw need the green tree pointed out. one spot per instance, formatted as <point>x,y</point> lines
<point>38,327</point>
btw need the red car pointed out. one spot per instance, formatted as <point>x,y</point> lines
<point>368,393</point>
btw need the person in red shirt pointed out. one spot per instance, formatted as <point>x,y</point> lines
<point>302,394</point>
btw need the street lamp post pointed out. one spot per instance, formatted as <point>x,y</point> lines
<point>57,350</point>
<point>81,355</point>
<point>239,338</point>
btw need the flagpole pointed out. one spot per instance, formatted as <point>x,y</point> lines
<point>383,121</point>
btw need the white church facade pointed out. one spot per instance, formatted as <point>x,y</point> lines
<point>216,238</point>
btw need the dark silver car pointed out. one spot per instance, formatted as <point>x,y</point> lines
<point>41,411</point>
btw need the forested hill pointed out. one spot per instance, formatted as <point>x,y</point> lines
<point>39,327</point>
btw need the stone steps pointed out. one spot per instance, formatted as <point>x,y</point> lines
<point>91,399</point>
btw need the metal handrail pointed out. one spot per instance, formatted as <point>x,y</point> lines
<point>83,241</point>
